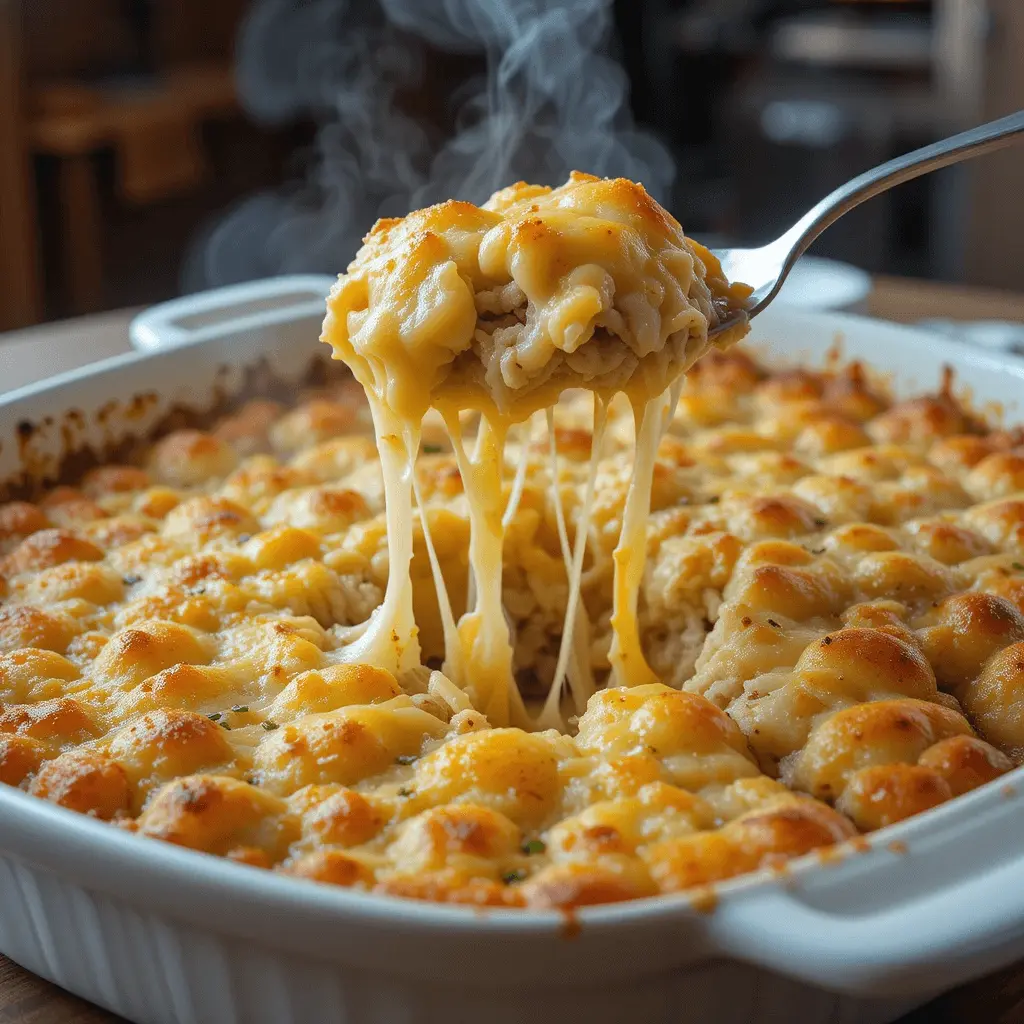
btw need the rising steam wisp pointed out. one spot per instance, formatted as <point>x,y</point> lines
<point>552,100</point>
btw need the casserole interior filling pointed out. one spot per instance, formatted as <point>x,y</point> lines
<point>331,640</point>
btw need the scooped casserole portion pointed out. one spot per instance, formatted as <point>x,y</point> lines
<point>828,620</point>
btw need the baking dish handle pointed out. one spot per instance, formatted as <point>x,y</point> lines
<point>235,309</point>
<point>859,931</point>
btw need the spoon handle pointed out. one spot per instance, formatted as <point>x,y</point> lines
<point>983,139</point>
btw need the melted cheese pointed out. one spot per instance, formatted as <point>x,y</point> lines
<point>484,659</point>
<point>500,309</point>
<point>573,660</point>
<point>629,667</point>
<point>389,638</point>
<point>573,649</point>
<point>518,482</point>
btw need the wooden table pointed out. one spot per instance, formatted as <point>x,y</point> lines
<point>897,298</point>
<point>25,999</point>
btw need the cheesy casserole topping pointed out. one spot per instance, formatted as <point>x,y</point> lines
<point>833,601</point>
<point>828,611</point>
<point>501,307</point>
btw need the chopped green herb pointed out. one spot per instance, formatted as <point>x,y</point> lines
<point>405,792</point>
<point>130,581</point>
<point>269,725</point>
<point>432,449</point>
<point>772,622</point>
<point>225,725</point>
<point>821,522</point>
<point>240,708</point>
<point>714,499</point>
<point>510,877</point>
<point>1018,566</point>
<point>407,758</point>
<point>533,846</point>
<point>215,717</point>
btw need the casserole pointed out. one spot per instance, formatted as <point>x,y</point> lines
<point>157,934</point>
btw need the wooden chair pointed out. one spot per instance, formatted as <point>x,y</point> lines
<point>61,98</point>
<point>153,131</point>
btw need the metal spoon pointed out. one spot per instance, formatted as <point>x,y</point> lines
<point>765,269</point>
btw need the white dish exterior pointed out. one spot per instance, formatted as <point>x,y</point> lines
<point>163,935</point>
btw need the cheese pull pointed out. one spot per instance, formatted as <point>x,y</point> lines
<point>500,309</point>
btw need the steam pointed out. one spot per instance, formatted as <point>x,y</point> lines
<point>552,100</point>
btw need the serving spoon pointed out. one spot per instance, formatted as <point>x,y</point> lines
<point>766,268</point>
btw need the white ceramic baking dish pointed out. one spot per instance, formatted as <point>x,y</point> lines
<point>161,934</point>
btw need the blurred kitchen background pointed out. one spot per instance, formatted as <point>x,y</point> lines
<point>151,147</point>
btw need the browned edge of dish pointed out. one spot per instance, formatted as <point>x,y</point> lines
<point>116,422</point>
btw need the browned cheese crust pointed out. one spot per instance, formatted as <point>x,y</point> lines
<point>833,602</point>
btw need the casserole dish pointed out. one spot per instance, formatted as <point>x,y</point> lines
<point>158,934</point>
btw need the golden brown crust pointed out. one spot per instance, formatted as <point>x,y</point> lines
<point>188,458</point>
<point>968,629</point>
<point>162,745</point>
<point>84,781</point>
<point>965,762</point>
<point>835,592</point>
<point>20,757</point>
<point>755,840</point>
<point>332,867</point>
<point>335,816</point>
<point>217,814</point>
<point>883,794</point>
<point>62,721</point>
<point>46,548</point>
<point>19,519</point>
<point>106,480</point>
<point>567,886</point>
<point>994,700</point>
